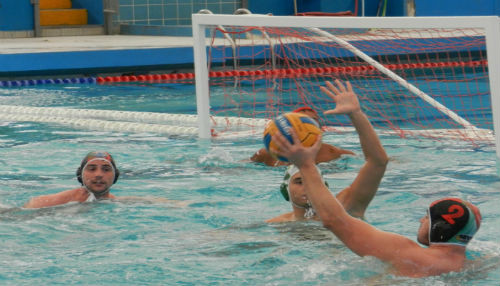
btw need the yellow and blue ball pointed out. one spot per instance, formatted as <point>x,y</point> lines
<point>306,128</point>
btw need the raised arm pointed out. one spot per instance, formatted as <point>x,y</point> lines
<point>360,193</point>
<point>406,257</point>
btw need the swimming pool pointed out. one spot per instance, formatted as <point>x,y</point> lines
<point>214,232</point>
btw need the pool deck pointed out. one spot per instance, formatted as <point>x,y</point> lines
<point>45,56</point>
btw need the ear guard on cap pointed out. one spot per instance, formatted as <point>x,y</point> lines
<point>79,175</point>
<point>284,190</point>
<point>441,231</point>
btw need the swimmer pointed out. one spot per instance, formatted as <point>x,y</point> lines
<point>355,198</point>
<point>96,174</point>
<point>449,225</point>
<point>326,153</point>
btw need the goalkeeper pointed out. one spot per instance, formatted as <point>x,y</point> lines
<point>326,153</point>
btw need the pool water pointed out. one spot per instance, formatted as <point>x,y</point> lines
<point>212,232</point>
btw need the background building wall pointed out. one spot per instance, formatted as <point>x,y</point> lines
<point>173,17</point>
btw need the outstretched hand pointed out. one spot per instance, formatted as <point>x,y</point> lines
<point>345,99</point>
<point>295,152</point>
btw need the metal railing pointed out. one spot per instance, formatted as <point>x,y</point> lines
<point>110,9</point>
<point>36,18</point>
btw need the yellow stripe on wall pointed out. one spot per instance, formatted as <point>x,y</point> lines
<point>56,17</point>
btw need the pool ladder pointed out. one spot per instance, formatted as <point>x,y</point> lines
<point>241,11</point>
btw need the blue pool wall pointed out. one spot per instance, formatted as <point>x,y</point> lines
<point>94,63</point>
<point>394,7</point>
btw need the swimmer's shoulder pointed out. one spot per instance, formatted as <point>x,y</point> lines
<point>262,156</point>
<point>325,147</point>
<point>282,218</point>
<point>63,197</point>
<point>329,152</point>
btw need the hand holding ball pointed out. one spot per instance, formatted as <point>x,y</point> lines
<point>306,128</point>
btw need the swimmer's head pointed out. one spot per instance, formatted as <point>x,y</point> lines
<point>309,112</point>
<point>305,109</point>
<point>97,155</point>
<point>453,221</point>
<point>289,173</point>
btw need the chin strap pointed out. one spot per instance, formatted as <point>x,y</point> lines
<point>92,196</point>
<point>310,212</point>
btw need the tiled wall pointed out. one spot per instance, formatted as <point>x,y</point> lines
<point>170,12</point>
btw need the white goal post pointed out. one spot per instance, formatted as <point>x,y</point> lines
<point>203,25</point>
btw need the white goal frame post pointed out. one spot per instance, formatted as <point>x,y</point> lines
<point>202,22</point>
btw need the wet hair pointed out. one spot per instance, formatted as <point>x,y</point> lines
<point>96,155</point>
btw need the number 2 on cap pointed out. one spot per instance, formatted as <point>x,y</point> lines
<point>454,211</point>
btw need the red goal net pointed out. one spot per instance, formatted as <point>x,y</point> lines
<point>431,83</point>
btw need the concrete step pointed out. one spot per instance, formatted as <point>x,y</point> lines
<point>65,31</point>
<point>55,4</point>
<point>54,17</point>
